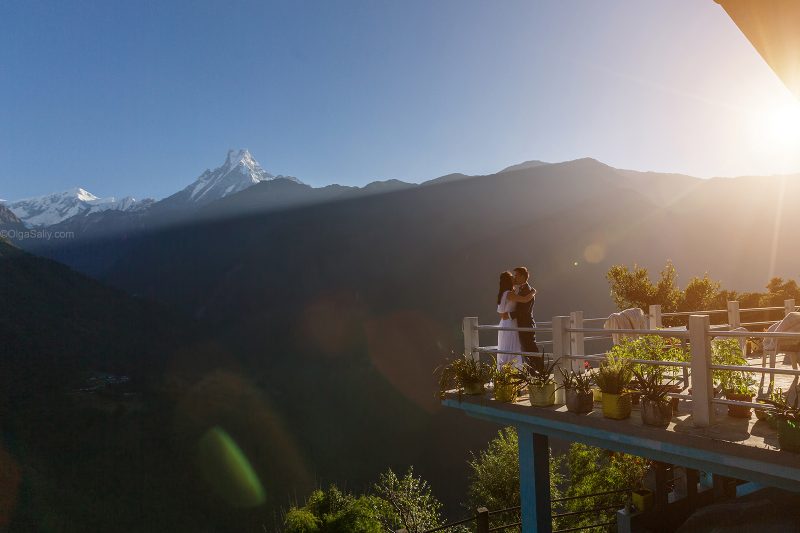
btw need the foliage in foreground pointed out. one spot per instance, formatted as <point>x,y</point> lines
<point>582,471</point>
<point>395,502</point>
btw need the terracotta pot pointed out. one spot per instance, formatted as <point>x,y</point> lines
<point>505,393</point>
<point>675,401</point>
<point>473,388</point>
<point>579,403</point>
<point>772,421</point>
<point>542,396</point>
<point>761,414</point>
<point>616,406</point>
<point>739,411</point>
<point>656,413</point>
<point>789,435</point>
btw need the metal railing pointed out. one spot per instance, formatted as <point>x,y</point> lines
<point>481,518</point>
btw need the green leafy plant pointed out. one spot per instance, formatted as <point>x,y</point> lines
<point>653,348</point>
<point>650,384</point>
<point>728,352</point>
<point>614,374</point>
<point>540,376</point>
<point>580,382</point>
<point>507,375</point>
<point>782,409</point>
<point>463,371</point>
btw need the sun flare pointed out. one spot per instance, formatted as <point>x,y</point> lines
<point>779,126</point>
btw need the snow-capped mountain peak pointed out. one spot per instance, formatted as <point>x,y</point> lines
<point>239,172</point>
<point>54,208</point>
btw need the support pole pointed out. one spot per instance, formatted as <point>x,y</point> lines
<point>561,347</point>
<point>702,379</point>
<point>734,317</point>
<point>788,306</point>
<point>577,343</point>
<point>471,340</point>
<point>482,520</point>
<point>654,318</point>
<point>534,481</point>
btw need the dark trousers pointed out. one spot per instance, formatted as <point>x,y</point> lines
<point>527,341</point>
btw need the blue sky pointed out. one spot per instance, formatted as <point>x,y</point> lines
<point>138,98</point>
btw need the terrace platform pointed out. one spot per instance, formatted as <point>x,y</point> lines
<point>701,436</point>
<point>740,448</point>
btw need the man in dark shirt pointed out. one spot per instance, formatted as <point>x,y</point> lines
<point>524,315</point>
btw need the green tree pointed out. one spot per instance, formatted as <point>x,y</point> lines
<point>592,471</point>
<point>633,288</point>
<point>494,478</point>
<point>396,502</point>
<point>702,294</point>
<point>333,511</point>
<point>411,505</point>
<point>582,471</point>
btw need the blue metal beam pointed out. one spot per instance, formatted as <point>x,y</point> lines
<point>534,481</point>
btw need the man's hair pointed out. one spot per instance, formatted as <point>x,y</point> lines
<point>522,271</point>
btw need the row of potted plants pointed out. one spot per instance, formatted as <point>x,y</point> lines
<point>621,382</point>
<point>613,378</point>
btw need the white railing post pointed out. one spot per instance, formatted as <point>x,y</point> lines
<point>734,317</point>
<point>654,318</point>
<point>561,346</point>
<point>577,343</point>
<point>471,339</point>
<point>788,306</point>
<point>702,378</point>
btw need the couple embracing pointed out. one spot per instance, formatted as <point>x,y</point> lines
<point>515,301</point>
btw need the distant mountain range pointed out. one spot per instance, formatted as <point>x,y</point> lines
<point>336,303</point>
<point>51,209</point>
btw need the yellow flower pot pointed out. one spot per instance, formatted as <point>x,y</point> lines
<point>642,499</point>
<point>542,396</point>
<point>597,395</point>
<point>616,406</point>
<point>505,393</point>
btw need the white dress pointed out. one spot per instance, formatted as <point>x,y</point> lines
<point>508,341</point>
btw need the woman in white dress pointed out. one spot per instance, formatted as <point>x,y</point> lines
<point>508,341</point>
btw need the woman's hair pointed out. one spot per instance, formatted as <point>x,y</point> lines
<point>506,284</point>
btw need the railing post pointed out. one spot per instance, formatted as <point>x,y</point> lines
<point>561,346</point>
<point>734,317</point>
<point>654,318</point>
<point>482,520</point>
<point>471,339</point>
<point>577,343</point>
<point>702,377</point>
<point>788,306</point>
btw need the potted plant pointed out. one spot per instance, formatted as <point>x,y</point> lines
<point>466,374</point>
<point>541,384</point>
<point>735,384</point>
<point>765,415</point>
<point>613,377</point>
<point>578,391</point>
<point>656,404</point>
<point>508,380</point>
<point>788,421</point>
<point>642,499</point>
